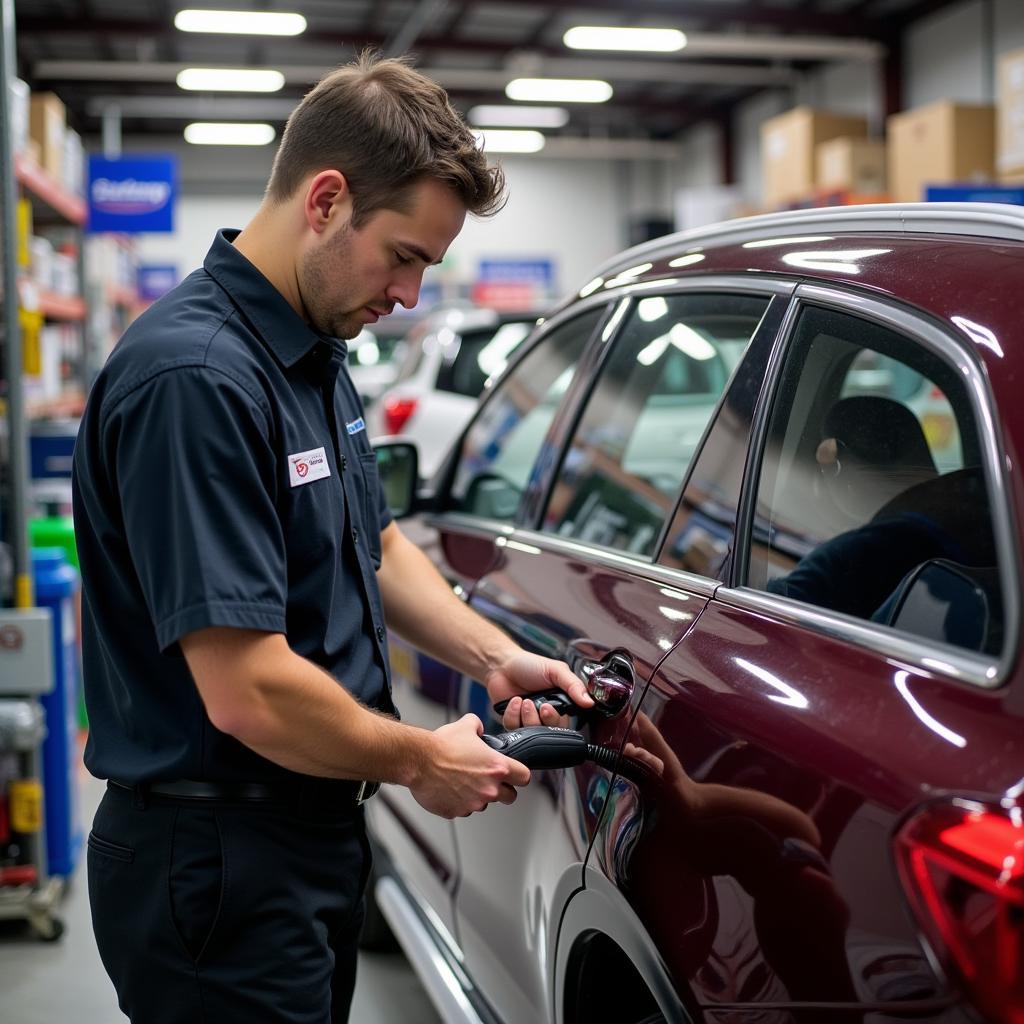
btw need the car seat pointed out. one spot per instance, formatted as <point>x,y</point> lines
<point>873,448</point>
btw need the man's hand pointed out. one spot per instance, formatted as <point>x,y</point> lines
<point>530,673</point>
<point>464,774</point>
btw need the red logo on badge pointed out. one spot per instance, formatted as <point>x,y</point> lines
<point>301,468</point>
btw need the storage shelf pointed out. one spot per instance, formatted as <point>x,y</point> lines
<point>68,405</point>
<point>54,195</point>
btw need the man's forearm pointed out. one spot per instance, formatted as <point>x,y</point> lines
<point>420,607</point>
<point>291,712</point>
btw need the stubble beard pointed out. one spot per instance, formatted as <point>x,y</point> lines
<point>317,270</point>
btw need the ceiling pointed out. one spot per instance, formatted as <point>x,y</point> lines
<point>99,53</point>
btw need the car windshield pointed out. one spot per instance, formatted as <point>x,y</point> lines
<point>477,355</point>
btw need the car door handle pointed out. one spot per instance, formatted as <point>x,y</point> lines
<point>610,682</point>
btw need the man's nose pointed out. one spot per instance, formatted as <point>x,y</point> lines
<point>406,289</point>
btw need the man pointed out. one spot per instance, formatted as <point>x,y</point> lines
<point>238,566</point>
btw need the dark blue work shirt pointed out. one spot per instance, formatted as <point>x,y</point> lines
<point>222,477</point>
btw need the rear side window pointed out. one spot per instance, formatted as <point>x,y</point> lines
<point>645,417</point>
<point>469,360</point>
<point>872,500</point>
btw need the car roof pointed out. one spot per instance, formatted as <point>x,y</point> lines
<point>989,220</point>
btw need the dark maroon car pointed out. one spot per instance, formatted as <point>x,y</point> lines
<point>759,485</point>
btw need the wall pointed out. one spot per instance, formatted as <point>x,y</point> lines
<point>947,56</point>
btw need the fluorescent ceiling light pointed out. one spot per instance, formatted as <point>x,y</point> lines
<point>508,116</point>
<point>559,90</point>
<point>648,40</point>
<point>230,80</point>
<point>247,23</point>
<point>221,133</point>
<point>510,141</point>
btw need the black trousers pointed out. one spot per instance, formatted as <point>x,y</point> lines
<point>224,913</point>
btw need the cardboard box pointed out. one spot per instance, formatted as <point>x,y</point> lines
<point>851,165</point>
<point>788,144</point>
<point>46,125</point>
<point>943,143</point>
<point>1010,114</point>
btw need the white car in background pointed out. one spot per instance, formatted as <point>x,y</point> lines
<point>373,361</point>
<point>446,361</point>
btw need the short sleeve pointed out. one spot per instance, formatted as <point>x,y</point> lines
<point>191,454</point>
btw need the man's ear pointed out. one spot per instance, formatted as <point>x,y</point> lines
<point>327,198</point>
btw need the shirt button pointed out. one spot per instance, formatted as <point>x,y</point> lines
<point>355,536</point>
<point>344,463</point>
<point>380,633</point>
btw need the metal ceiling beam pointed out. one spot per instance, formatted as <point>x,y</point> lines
<point>424,14</point>
<point>706,12</point>
<point>921,9</point>
<point>680,13</point>
<point>682,73</point>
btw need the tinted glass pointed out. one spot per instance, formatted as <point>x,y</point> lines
<point>502,444</point>
<point>473,357</point>
<point>860,507</point>
<point>701,536</point>
<point>645,417</point>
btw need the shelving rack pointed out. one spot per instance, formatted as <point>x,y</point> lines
<point>26,305</point>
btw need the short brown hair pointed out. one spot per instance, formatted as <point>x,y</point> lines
<point>385,126</point>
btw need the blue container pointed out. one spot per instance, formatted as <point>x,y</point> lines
<point>56,583</point>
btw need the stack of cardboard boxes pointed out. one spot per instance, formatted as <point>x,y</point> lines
<point>817,157</point>
<point>39,133</point>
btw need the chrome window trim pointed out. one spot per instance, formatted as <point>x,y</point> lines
<point>610,558</point>
<point>977,669</point>
<point>931,657</point>
<point>746,284</point>
<point>477,525</point>
<point>501,533</point>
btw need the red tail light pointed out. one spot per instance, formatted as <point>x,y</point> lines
<point>963,867</point>
<point>397,412</point>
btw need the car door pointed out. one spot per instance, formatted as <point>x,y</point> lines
<point>578,583</point>
<point>832,705</point>
<point>498,451</point>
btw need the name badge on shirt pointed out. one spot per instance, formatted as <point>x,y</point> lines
<point>305,467</point>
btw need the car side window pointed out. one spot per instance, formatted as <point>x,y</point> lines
<point>645,417</point>
<point>501,446</point>
<point>864,506</point>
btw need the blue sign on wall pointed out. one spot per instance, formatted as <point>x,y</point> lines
<point>132,195</point>
<point>156,279</point>
<point>975,194</point>
<point>538,273</point>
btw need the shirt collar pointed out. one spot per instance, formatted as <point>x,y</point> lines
<point>282,330</point>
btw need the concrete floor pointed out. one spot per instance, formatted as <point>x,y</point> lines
<point>44,983</point>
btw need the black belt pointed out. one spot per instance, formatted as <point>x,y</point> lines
<point>326,793</point>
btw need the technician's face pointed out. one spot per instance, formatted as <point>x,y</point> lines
<point>354,276</point>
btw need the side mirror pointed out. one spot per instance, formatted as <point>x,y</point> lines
<point>944,601</point>
<point>398,467</point>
